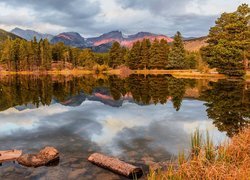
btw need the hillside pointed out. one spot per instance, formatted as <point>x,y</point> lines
<point>195,44</point>
<point>30,34</point>
<point>5,35</point>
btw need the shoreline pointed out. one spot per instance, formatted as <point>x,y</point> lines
<point>176,73</point>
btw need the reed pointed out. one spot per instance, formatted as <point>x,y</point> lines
<point>230,160</point>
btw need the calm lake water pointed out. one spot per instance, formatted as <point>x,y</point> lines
<point>140,119</point>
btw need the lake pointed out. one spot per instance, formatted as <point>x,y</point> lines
<point>139,119</point>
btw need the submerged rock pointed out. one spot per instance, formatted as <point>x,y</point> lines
<point>44,157</point>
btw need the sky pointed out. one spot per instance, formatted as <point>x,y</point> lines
<point>192,18</point>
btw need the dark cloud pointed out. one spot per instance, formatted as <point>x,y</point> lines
<point>73,8</point>
<point>71,15</point>
<point>93,17</point>
<point>159,6</point>
<point>191,24</point>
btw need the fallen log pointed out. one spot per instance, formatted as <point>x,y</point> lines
<point>44,157</point>
<point>9,155</point>
<point>115,165</point>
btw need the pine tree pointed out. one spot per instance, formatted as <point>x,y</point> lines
<point>116,55</point>
<point>15,55</point>
<point>177,53</point>
<point>228,43</point>
<point>155,60</point>
<point>36,52</point>
<point>46,55</point>
<point>24,55</point>
<point>163,53</point>
<point>134,57</point>
<point>145,54</point>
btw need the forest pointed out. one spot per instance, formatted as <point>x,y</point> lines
<point>22,55</point>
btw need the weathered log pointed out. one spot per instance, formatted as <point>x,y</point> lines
<point>43,158</point>
<point>115,165</point>
<point>9,155</point>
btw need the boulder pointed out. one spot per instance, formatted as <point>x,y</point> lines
<point>44,157</point>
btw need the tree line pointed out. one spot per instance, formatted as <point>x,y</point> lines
<point>156,55</point>
<point>22,55</point>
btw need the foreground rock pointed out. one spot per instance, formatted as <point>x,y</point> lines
<point>9,155</point>
<point>44,157</point>
<point>115,165</point>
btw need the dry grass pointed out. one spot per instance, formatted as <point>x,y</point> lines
<point>228,161</point>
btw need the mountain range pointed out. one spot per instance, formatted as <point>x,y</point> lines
<point>98,44</point>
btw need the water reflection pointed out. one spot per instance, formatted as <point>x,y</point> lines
<point>139,119</point>
<point>228,105</point>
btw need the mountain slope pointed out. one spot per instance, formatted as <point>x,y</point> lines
<point>125,41</point>
<point>195,44</point>
<point>5,35</point>
<point>30,34</point>
<point>70,39</point>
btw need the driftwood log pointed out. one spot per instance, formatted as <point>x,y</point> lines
<point>9,155</point>
<point>115,165</point>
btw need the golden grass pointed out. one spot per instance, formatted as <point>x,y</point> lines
<point>229,161</point>
<point>194,74</point>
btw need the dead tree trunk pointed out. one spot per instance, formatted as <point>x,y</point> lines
<point>115,165</point>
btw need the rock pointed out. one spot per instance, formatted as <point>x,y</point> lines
<point>44,157</point>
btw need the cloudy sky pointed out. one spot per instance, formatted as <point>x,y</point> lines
<point>94,17</point>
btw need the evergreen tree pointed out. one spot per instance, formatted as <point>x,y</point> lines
<point>46,55</point>
<point>116,55</point>
<point>163,53</point>
<point>24,55</point>
<point>155,60</point>
<point>134,57</point>
<point>177,53</point>
<point>228,43</point>
<point>15,55</point>
<point>145,54</point>
<point>36,52</point>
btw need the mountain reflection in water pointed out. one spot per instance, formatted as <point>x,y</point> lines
<point>139,119</point>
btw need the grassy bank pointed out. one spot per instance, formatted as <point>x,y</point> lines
<point>228,161</point>
<point>51,72</point>
<point>126,72</point>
